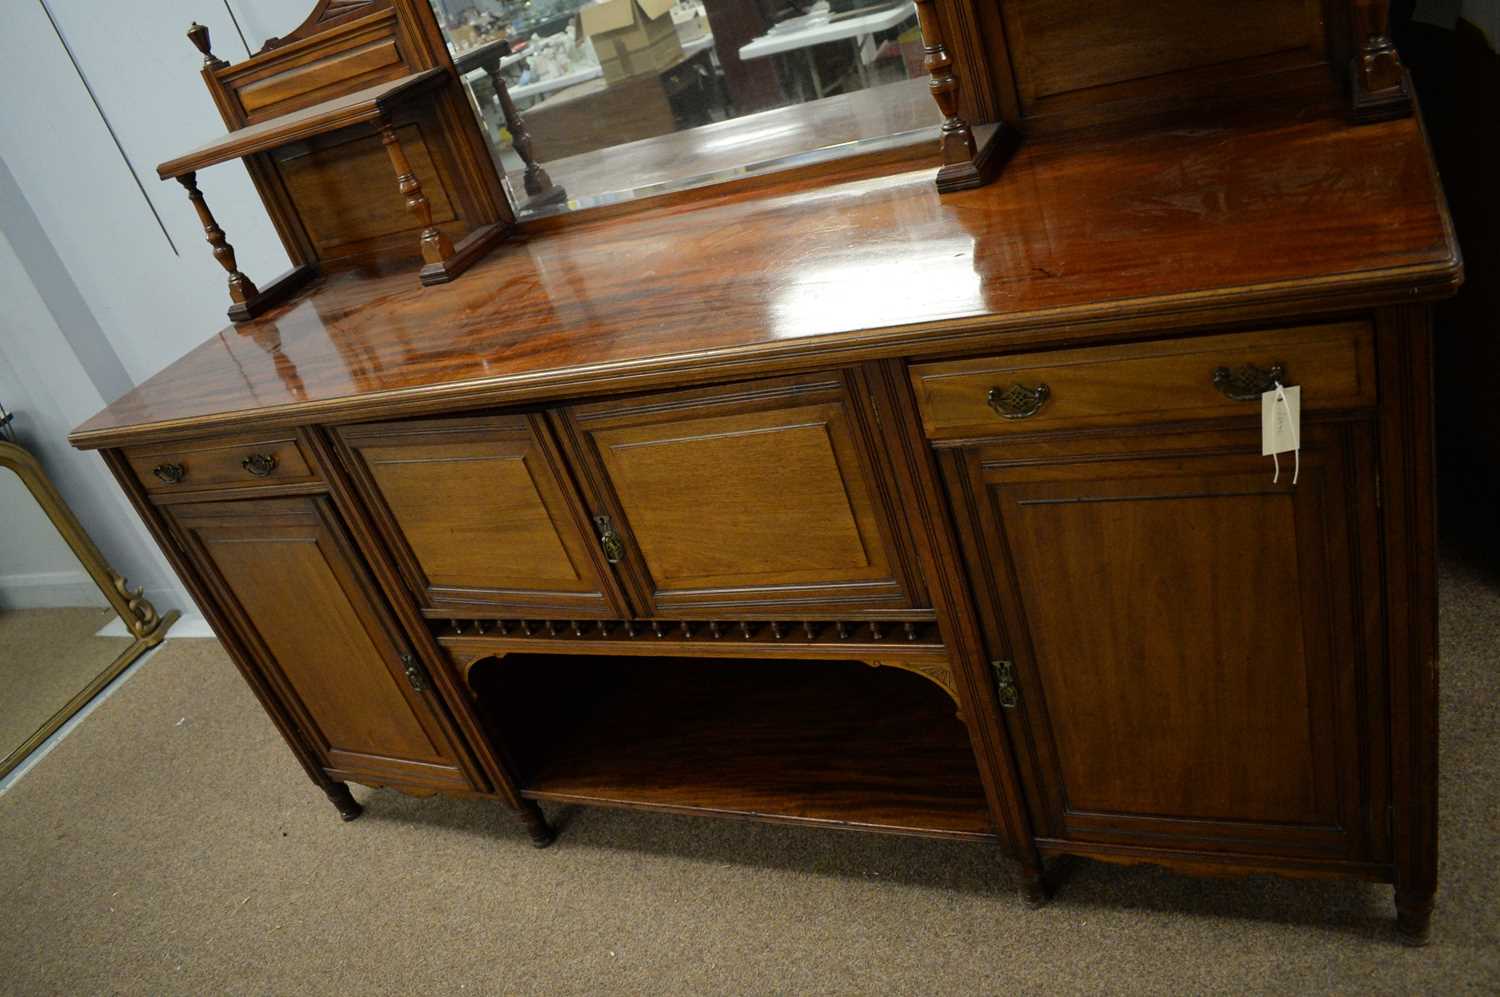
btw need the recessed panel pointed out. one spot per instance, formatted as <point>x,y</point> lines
<point>708,501</point>
<point>1060,46</point>
<point>471,519</point>
<point>1175,671</point>
<point>320,643</point>
<point>346,191</point>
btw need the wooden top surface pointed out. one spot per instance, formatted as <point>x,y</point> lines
<point>330,115</point>
<point>1265,212</point>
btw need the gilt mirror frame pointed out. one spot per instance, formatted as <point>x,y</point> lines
<point>147,629</point>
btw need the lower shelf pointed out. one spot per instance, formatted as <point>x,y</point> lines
<point>824,742</point>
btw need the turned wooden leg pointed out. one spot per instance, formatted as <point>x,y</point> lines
<point>241,288</point>
<point>1414,917</point>
<point>542,833</point>
<point>1035,891</point>
<point>435,245</point>
<point>537,181</point>
<point>340,797</point>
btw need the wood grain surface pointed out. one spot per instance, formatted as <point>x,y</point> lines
<point>1263,209</point>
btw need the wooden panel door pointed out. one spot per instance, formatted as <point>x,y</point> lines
<point>751,499</point>
<point>1191,642</point>
<point>289,578</point>
<point>481,517</point>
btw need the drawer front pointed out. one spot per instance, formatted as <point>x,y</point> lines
<point>225,463</point>
<point>1207,377</point>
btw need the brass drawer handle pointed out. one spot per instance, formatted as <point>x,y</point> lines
<point>169,474</point>
<point>1247,382</point>
<point>1018,401</point>
<point>609,540</point>
<point>259,464</point>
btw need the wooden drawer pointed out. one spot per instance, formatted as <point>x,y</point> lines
<point>1162,381</point>
<point>219,464</point>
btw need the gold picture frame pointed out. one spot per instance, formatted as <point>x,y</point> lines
<point>147,629</point>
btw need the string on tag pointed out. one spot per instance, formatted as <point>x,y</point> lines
<point>1296,443</point>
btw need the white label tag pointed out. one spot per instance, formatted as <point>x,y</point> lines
<point>1280,420</point>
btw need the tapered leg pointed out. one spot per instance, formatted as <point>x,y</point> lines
<point>1035,890</point>
<point>340,797</point>
<point>542,833</point>
<point>1414,917</point>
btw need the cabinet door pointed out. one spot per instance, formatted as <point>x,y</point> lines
<point>756,498</point>
<point>480,516</point>
<point>289,579</point>
<point>1192,647</point>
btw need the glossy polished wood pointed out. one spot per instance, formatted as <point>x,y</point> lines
<point>1272,209</point>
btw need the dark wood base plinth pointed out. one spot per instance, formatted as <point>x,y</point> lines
<point>465,254</point>
<point>340,797</point>
<point>1366,108</point>
<point>996,143</point>
<point>273,294</point>
<point>542,833</point>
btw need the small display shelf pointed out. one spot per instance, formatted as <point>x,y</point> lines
<point>822,742</point>
<point>337,128</point>
<point>370,104</point>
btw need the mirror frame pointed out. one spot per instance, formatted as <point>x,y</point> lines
<point>140,617</point>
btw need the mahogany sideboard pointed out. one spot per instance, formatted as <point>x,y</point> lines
<point>626,515</point>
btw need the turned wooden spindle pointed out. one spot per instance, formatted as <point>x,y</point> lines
<point>241,288</point>
<point>436,246</point>
<point>957,136</point>
<point>198,35</point>
<point>536,179</point>
<point>1377,79</point>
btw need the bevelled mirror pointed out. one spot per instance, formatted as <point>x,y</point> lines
<point>69,625</point>
<point>589,102</point>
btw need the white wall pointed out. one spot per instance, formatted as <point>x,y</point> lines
<point>96,294</point>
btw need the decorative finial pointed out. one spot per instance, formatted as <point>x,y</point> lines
<point>198,35</point>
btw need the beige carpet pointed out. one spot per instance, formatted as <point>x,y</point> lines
<point>172,846</point>
<point>46,657</point>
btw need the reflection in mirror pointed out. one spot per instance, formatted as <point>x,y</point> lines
<point>589,102</point>
<point>56,596</point>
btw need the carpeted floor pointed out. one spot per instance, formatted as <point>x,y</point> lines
<point>171,845</point>
<point>46,657</point>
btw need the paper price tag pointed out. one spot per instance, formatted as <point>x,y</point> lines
<point>1280,420</point>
